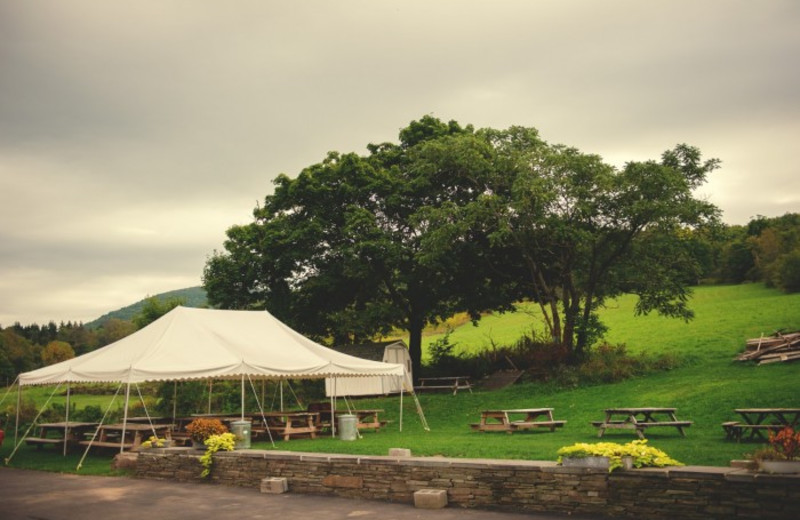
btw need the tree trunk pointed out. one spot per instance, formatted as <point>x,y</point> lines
<point>415,325</point>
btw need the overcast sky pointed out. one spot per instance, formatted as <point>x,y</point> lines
<point>134,134</point>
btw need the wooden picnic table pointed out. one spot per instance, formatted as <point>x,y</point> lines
<point>454,383</point>
<point>758,421</point>
<point>65,433</point>
<point>290,424</point>
<point>639,419</point>
<point>128,436</point>
<point>517,419</point>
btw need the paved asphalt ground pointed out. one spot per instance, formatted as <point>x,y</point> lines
<point>38,495</point>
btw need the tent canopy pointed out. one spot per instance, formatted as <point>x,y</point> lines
<point>188,343</point>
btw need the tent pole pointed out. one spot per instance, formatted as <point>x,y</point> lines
<point>280,385</point>
<point>332,403</point>
<point>333,408</point>
<point>66,428</point>
<point>401,407</point>
<point>242,397</point>
<point>174,401</point>
<point>19,402</point>
<point>210,387</point>
<point>125,415</point>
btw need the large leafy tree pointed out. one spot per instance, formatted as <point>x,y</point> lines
<point>354,245</point>
<point>586,231</point>
<point>452,219</point>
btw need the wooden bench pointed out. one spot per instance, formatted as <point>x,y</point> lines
<point>640,427</point>
<point>731,430</point>
<point>39,442</point>
<point>323,421</point>
<point>491,427</point>
<point>532,418</point>
<point>528,425</point>
<point>737,430</point>
<point>454,384</point>
<point>677,424</point>
<point>106,444</point>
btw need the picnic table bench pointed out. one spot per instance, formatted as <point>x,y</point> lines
<point>454,383</point>
<point>289,424</point>
<point>639,419</point>
<point>128,436</point>
<point>760,421</point>
<point>66,433</point>
<point>504,421</point>
<point>366,419</point>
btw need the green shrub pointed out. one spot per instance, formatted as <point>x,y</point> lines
<point>789,272</point>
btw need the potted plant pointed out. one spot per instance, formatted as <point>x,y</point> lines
<point>201,429</point>
<point>783,453</point>
<point>611,456</point>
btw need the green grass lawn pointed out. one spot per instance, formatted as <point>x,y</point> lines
<point>705,390</point>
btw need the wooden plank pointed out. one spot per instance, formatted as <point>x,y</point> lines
<point>100,444</point>
<point>664,423</point>
<point>38,440</point>
<point>527,425</point>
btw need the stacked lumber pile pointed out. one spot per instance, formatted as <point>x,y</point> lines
<point>772,349</point>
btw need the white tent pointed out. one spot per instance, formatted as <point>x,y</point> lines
<point>188,343</point>
<point>395,352</point>
<point>193,344</point>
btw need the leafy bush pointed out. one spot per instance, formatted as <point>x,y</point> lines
<point>90,413</point>
<point>543,360</point>
<point>789,272</point>
<point>214,443</point>
<point>201,429</point>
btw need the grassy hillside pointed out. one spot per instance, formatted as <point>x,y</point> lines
<point>192,297</point>
<point>725,316</point>
<point>706,390</point>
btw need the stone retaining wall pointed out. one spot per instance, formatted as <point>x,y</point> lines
<point>529,486</point>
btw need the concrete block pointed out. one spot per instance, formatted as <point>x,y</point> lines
<point>399,452</point>
<point>274,485</point>
<point>430,498</point>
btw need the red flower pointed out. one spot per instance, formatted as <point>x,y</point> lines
<point>786,442</point>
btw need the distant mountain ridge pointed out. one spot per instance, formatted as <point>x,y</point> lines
<point>191,296</point>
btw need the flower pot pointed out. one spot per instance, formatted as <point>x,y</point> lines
<point>198,445</point>
<point>627,462</point>
<point>779,466</point>
<point>593,462</point>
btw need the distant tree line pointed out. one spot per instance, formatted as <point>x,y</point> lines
<point>28,347</point>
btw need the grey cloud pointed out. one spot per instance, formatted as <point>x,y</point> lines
<point>132,135</point>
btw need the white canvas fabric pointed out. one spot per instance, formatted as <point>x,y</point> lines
<point>359,386</point>
<point>188,343</point>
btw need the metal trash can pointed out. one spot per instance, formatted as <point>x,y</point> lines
<point>347,427</point>
<point>241,432</point>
